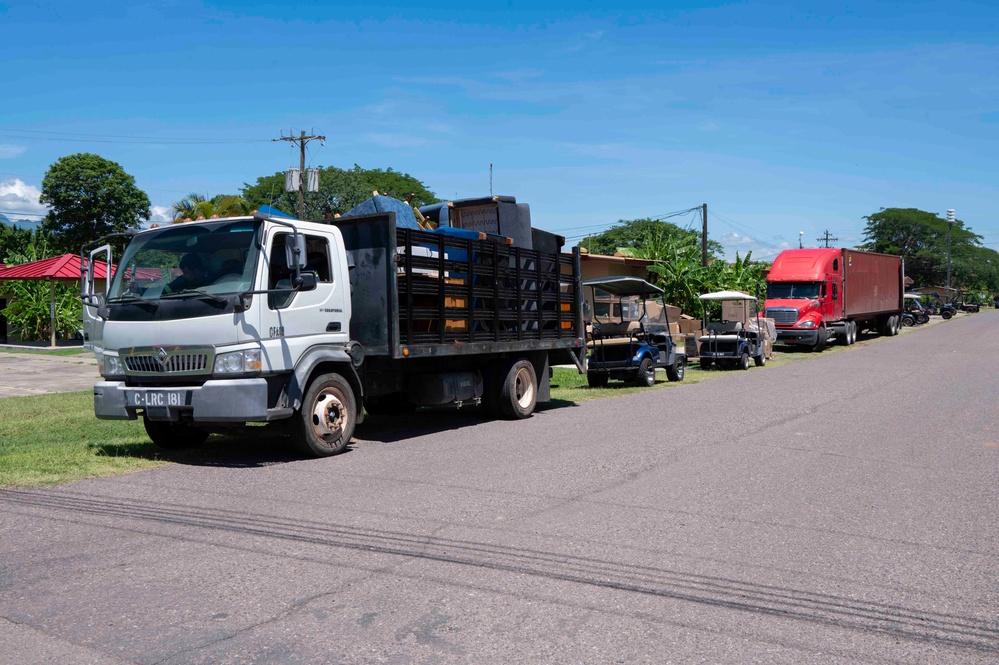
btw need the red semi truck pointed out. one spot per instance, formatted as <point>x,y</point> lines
<point>819,295</point>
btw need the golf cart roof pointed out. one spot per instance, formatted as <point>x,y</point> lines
<point>917,296</point>
<point>726,295</point>
<point>624,286</point>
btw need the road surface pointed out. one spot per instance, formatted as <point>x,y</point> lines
<point>838,509</point>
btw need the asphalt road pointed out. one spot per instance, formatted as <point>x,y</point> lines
<point>838,509</point>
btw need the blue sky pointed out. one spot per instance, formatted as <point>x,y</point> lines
<point>782,117</point>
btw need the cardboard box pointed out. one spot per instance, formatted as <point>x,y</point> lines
<point>689,325</point>
<point>674,329</point>
<point>690,344</point>
<point>738,310</point>
<point>655,311</point>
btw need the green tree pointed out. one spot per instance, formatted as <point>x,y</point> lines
<point>14,241</point>
<point>635,232</point>
<point>339,191</point>
<point>90,197</point>
<point>195,206</point>
<point>921,239</point>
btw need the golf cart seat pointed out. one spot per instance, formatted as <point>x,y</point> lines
<point>615,329</point>
<point>723,327</point>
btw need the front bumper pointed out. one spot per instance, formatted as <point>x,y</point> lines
<point>802,337</point>
<point>224,400</point>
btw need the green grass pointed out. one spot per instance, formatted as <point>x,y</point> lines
<point>52,439</point>
<point>49,352</point>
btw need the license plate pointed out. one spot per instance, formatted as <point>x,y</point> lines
<point>155,398</point>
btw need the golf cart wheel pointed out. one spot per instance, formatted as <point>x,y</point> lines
<point>325,423</point>
<point>760,360</point>
<point>744,361</point>
<point>908,321</point>
<point>676,371</point>
<point>706,363</point>
<point>946,314</point>
<point>518,394</point>
<point>597,379</point>
<point>646,374</point>
<point>173,436</point>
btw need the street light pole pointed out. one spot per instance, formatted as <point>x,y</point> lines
<point>800,234</point>
<point>950,224</point>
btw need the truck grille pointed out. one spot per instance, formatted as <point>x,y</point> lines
<point>163,361</point>
<point>782,315</point>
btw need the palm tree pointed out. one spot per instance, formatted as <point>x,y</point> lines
<point>196,206</point>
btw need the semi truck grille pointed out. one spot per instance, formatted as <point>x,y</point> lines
<point>162,361</point>
<point>782,314</point>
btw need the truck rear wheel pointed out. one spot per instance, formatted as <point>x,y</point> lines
<point>173,436</point>
<point>646,374</point>
<point>518,394</point>
<point>326,421</point>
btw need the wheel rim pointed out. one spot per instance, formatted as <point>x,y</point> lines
<point>524,389</point>
<point>680,369</point>
<point>329,416</point>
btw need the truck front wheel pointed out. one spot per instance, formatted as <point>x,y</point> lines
<point>326,421</point>
<point>173,436</point>
<point>519,391</point>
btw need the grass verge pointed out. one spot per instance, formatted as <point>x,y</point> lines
<point>52,439</point>
<point>49,352</point>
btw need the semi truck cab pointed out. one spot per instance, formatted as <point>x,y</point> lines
<point>804,296</point>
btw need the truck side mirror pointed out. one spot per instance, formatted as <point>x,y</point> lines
<point>294,247</point>
<point>306,281</point>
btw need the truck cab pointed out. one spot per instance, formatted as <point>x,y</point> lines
<point>804,296</point>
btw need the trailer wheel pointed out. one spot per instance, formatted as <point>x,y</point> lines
<point>326,421</point>
<point>706,363</point>
<point>676,371</point>
<point>744,361</point>
<point>519,392</point>
<point>173,436</point>
<point>597,379</point>
<point>646,374</point>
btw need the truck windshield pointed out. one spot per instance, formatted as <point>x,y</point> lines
<point>214,259</point>
<point>792,290</point>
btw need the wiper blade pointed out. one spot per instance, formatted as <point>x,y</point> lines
<point>130,298</point>
<point>195,292</point>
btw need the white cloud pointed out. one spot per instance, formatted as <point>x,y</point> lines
<point>160,214</point>
<point>8,151</point>
<point>736,242</point>
<point>19,198</point>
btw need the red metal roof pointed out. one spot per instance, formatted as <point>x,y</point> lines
<point>64,268</point>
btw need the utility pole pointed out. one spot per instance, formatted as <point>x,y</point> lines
<point>826,239</point>
<point>301,140</point>
<point>490,179</point>
<point>950,223</point>
<point>704,234</point>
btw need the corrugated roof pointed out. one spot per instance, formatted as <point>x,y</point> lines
<point>65,268</point>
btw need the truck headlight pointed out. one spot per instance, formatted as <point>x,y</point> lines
<point>238,362</point>
<point>111,366</point>
<point>807,324</point>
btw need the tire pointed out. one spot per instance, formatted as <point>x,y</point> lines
<point>851,333</point>
<point>518,393</point>
<point>946,314</point>
<point>325,423</point>
<point>597,379</point>
<point>744,361</point>
<point>706,363</point>
<point>908,321</point>
<point>646,374</point>
<point>820,343</point>
<point>760,360</point>
<point>173,436</point>
<point>895,325</point>
<point>677,370</point>
<point>396,404</point>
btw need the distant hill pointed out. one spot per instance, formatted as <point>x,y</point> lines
<point>20,223</point>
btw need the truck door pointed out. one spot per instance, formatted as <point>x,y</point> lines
<point>93,297</point>
<point>292,322</point>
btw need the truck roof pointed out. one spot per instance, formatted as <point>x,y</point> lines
<point>803,265</point>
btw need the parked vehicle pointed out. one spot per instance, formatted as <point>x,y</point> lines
<point>947,310</point>
<point>632,339</point>
<point>914,306</point>
<point>818,295</point>
<point>309,323</point>
<point>731,342</point>
<point>908,319</point>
